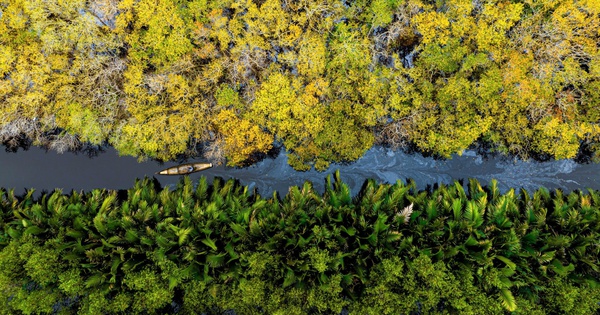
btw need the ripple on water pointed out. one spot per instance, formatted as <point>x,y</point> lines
<point>566,166</point>
<point>382,164</point>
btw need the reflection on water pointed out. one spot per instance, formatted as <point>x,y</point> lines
<point>36,168</point>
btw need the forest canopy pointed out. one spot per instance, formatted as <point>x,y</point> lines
<point>327,79</point>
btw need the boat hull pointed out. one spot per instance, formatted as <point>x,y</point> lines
<point>185,169</point>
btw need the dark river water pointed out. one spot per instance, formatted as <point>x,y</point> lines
<point>36,168</point>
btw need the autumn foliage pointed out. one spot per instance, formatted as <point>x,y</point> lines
<point>326,78</point>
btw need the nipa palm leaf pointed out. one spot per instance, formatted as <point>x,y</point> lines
<point>507,300</point>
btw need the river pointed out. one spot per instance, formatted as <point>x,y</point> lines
<point>45,171</point>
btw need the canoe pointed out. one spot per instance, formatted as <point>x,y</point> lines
<point>184,169</point>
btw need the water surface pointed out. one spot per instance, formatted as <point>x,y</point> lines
<point>36,168</point>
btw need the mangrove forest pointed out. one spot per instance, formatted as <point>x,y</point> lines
<point>327,79</point>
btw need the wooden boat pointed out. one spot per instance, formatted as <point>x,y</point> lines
<point>185,169</point>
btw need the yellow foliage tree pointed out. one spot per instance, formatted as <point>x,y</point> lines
<point>155,76</point>
<point>58,67</point>
<point>242,138</point>
<point>556,138</point>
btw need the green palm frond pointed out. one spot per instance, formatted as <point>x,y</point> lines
<point>457,209</point>
<point>201,192</point>
<point>184,234</point>
<point>431,210</point>
<point>210,243</point>
<point>473,214</point>
<point>507,300</point>
<point>108,202</point>
<point>510,264</point>
<point>493,189</point>
<point>397,195</point>
<point>216,260</point>
<point>475,189</point>
<point>95,280</point>
<point>460,192</point>
<point>99,224</point>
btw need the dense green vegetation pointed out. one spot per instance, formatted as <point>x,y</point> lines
<point>389,250</point>
<point>327,78</point>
